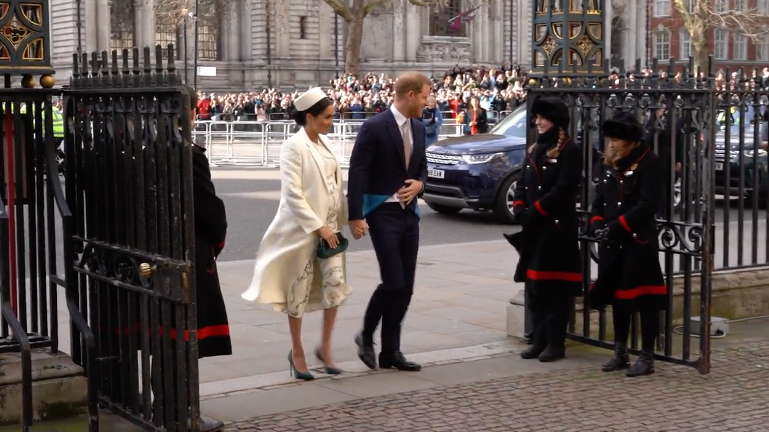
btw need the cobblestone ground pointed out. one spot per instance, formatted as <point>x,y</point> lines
<point>734,397</point>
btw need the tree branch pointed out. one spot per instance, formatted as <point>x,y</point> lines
<point>371,5</point>
<point>340,9</point>
<point>428,3</point>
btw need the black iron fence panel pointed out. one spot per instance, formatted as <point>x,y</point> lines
<point>130,253</point>
<point>32,204</point>
<point>679,114</point>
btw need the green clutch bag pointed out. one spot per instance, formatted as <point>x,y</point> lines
<point>325,251</point>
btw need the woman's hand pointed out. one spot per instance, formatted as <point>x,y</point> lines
<point>329,236</point>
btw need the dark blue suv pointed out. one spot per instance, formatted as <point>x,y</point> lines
<point>478,172</point>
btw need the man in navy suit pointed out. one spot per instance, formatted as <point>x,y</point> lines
<point>388,170</point>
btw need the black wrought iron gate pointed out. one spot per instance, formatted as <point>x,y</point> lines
<point>679,113</point>
<point>130,245</point>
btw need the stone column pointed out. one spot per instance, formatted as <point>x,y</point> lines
<point>89,20</point>
<point>399,32</point>
<point>608,16</point>
<point>232,28</point>
<point>103,39</point>
<point>498,55</point>
<point>325,32</point>
<point>145,23</point>
<point>478,39</point>
<point>641,32</point>
<point>631,34</point>
<point>281,32</point>
<point>413,31</point>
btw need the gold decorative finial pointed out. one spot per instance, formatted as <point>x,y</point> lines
<point>47,81</point>
<point>28,82</point>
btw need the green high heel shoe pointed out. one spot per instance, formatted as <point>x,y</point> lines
<point>306,376</point>
<point>326,369</point>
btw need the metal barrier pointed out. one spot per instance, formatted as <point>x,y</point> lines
<point>257,143</point>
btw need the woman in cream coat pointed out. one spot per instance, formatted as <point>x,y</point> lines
<point>288,274</point>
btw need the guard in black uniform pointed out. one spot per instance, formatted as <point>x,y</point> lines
<point>210,232</point>
<point>545,205</point>
<point>630,279</point>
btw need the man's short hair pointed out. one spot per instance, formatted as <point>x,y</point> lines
<point>410,81</point>
<point>193,97</point>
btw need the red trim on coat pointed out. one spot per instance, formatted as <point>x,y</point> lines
<point>519,203</point>
<point>222,330</point>
<point>596,219</point>
<point>563,144</point>
<point>554,275</point>
<point>540,209</point>
<point>220,245</point>
<point>640,291</point>
<point>624,224</point>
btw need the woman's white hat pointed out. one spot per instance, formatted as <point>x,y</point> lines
<point>309,98</point>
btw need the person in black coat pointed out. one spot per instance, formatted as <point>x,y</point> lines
<point>545,205</point>
<point>210,233</point>
<point>628,196</point>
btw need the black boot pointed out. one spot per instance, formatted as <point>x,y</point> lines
<point>620,360</point>
<point>532,352</point>
<point>551,354</point>
<point>643,366</point>
<point>528,339</point>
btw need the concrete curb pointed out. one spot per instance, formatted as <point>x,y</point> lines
<point>353,369</point>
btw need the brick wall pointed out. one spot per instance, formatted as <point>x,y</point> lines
<point>669,23</point>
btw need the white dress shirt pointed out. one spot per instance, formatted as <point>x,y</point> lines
<point>404,125</point>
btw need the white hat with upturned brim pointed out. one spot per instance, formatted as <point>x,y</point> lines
<point>309,98</point>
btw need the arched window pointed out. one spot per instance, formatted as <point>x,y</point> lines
<point>448,20</point>
<point>122,22</point>
<point>210,21</point>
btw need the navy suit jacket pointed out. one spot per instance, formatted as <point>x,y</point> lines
<point>378,163</point>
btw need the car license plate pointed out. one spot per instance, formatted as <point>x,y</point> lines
<point>436,173</point>
<point>719,166</point>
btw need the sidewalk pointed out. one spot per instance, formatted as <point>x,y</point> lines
<point>507,394</point>
<point>461,293</point>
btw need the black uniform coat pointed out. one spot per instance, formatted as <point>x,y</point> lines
<point>545,203</point>
<point>627,200</point>
<point>210,233</point>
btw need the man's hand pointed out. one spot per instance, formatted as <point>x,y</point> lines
<point>407,193</point>
<point>358,228</point>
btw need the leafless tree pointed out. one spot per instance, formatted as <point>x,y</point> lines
<point>354,13</point>
<point>701,17</point>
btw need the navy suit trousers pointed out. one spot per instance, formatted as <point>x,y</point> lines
<point>395,235</point>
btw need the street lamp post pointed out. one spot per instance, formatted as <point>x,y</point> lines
<point>336,43</point>
<point>195,61</point>
<point>186,50</point>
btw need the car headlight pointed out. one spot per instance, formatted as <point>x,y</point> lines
<point>480,158</point>
<point>432,148</point>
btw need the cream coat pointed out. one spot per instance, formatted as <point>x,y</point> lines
<point>290,241</point>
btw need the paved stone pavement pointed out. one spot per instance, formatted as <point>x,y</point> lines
<point>734,397</point>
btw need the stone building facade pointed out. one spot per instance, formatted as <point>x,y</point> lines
<point>253,43</point>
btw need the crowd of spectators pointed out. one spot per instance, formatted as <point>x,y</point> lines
<point>497,89</point>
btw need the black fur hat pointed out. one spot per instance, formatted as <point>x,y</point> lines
<point>553,109</point>
<point>624,126</point>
